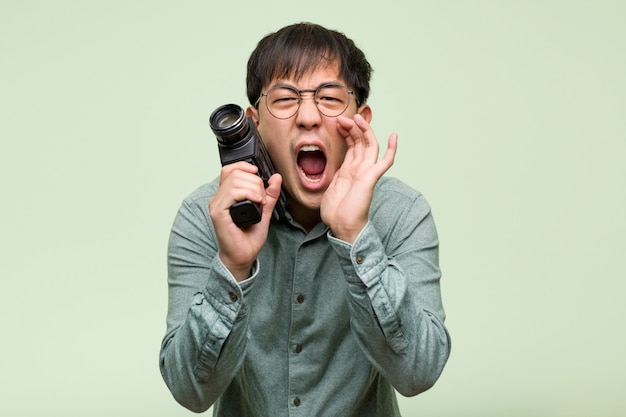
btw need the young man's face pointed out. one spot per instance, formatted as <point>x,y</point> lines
<point>307,149</point>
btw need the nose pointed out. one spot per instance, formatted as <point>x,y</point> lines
<point>308,116</point>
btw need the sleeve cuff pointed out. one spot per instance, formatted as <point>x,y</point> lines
<point>226,294</point>
<point>362,261</point>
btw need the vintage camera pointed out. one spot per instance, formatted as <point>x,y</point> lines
<point>239,140</point>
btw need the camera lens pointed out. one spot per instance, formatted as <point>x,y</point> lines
<point>229,123</point>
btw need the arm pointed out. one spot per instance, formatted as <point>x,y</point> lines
<point>391,266</point>
<point>395,301</point>
<point>211,266</point>
<point>206,330</point>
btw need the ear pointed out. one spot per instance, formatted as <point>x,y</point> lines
<point>366,112</point>
<point>253,112</point>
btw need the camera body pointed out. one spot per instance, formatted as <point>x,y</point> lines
<point>239,140</point>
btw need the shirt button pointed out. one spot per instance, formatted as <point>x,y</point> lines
<point>233,297</point>
<point>300,299</point>
<point>298,348</point>
<point>359,259</point>
<point>296,402</point>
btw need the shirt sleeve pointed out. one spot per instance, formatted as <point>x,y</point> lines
<point>393,276</point>
<point>206,335</point>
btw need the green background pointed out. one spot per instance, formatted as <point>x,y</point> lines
<point>511,120</point>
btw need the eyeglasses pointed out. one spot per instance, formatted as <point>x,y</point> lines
<point>284,101</point>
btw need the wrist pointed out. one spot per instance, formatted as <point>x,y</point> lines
<point>347,234</point>
<point>239,271</point>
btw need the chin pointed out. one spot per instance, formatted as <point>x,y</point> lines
<point>304,201</point>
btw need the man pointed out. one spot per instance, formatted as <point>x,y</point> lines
<point>323,312</point>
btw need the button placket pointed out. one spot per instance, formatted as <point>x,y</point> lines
<point>303,274</point>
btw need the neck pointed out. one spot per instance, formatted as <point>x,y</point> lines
<point>306,217</point>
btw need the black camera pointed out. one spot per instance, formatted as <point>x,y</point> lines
<point>239,140</point>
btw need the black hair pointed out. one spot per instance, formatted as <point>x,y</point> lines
<point>296,49</point>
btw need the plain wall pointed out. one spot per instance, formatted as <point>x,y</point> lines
<point>511,120</point>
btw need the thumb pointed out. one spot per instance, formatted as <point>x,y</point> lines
<point>272,193</point>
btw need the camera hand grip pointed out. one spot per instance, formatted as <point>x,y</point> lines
<point>245,213</point>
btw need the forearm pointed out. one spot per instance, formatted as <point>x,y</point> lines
<point>200,358</point>
<point>407,343</point>
<point>205,340</point>
<point>396,310</point>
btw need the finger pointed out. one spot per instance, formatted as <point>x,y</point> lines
<point>354,136</point>
<point>272,194</point>
<point>344,126</point>
<point>242,166</point>
<point>239,186</point>
<point>369,138</point>
<point>368,143</point>
<point>273,188</point>
<point>362,123</point>
<point>390,154</point>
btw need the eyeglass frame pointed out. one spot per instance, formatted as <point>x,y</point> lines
<point>306,90</point>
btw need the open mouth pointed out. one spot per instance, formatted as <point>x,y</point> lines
<point>312,162</point>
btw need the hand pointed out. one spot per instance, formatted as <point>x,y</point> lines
<point>346,202</point>
<point>239,248</point>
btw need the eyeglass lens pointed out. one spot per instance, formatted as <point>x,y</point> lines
<point>331,100</point>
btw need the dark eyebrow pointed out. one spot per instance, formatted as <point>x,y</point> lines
<point>332,84</point>
<point>280,85</point>
<point>325,84</point>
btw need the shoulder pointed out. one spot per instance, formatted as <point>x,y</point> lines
<point>400,213</point>
<point>194,209</point>
<point>391,191</point>
<point>201,195</point>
